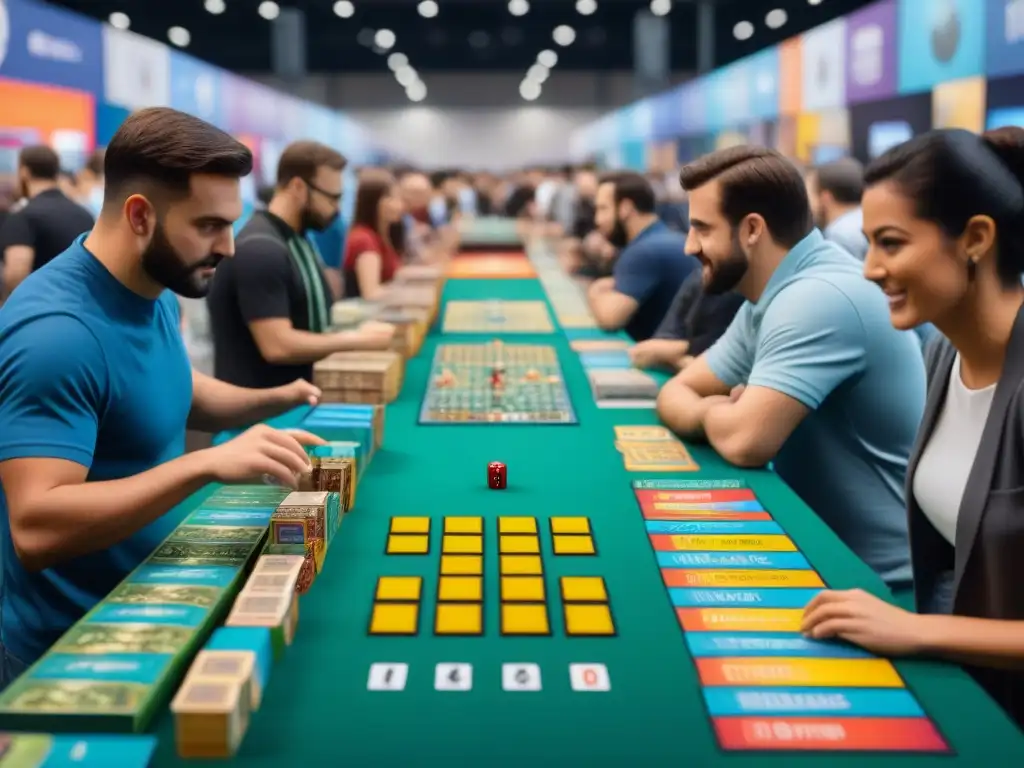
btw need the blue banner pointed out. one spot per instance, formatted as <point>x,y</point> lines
<point>940,40</point>
<point>195,88</point>
<point>763,70</point>
<point>50,46</point>
<point>693,108</point>
<point>1004,41</point>
<point>108,119</point>
<point>667,114</point>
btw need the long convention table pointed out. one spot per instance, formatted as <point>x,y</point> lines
<point>644,707</point>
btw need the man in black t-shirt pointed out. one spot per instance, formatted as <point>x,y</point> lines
<point>270,304</point>
<point>48,223</point>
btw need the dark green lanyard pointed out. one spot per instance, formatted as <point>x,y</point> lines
<point>312,283</point>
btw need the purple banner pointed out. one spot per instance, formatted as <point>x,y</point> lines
<point>252,108</point>
<point>872,65</point>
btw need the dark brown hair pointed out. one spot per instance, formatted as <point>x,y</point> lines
<point>163,148</point>
<point>633,187</point>
<point>301,159</point>
<point>953,175</point>
<point>373,187</point>
<point>40,161</point>
<point>95,163</point>
<point>756,180</point>
<point>843,179</point>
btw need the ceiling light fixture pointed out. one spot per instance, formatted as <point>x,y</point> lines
<point>397,60</point>
<point>428,9</point>
<point>518,7</point>
<point>586,7</point>
<point>344,9</point>
<point>269,10</point>
<point>119,20</point>
<point>179,36</point>
<point>384,39</point>
<point>547,58</point>
<point>416,91</point>
<point>743,30</point>
<point>564,35</point>
<point>216,7</point>
<point>776,18</point>
<point>661,7</point>
<point>529,90</point>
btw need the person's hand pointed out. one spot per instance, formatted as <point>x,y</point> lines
<point>651,353</point>
<point>299,392</point>
<point>260,452</point>
<point>865,620</point>
<point>375,335</point>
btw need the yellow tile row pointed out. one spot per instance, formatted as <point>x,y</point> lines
<point>464,535</point>
<point>581,619</point>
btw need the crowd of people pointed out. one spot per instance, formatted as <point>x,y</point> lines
<point>859,330</point>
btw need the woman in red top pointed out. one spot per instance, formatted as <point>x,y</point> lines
<point>373,245</point>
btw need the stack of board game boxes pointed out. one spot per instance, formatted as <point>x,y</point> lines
<point>304,524</point>
<point>370,378</point>
<point>148,627</point>
<point>226,681</point>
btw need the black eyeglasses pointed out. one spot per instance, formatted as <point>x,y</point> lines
<point>334,197</point>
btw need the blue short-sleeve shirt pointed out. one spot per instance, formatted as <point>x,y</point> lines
<point>821,334</point>
<point>93,373</point>
<point>650,271</point>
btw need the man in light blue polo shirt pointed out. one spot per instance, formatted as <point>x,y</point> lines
<point>810,375</point>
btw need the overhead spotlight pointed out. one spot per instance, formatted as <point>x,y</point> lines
<point>216,7</point>
<point>814,2</point>
<point>529,90</point>
<point>586,7</point>
<point>416,91</point>
<point>428,9</point>
<point>518,7</point>
<point>344,9</point>
<point>384,39</point>
<point>547,58</point>
<point>269,10</point>
<point>661,7</point>
<point>119,20</point>
<point>776,18</point>
<point>397,60</point>
<point>406,76</point>
<point>538,73</point>
<point>179,36</point>
<point>564,35</point>
<point>743,30</point>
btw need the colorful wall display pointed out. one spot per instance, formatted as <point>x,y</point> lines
<point>763,71</point>
<point>823,67</point>
<point>251,107</point>
<point>195,87</point>
<point>137,70</point>
<point>50,112</point>
<point>940,40</point>
<point>872,66</point>
<point>877,125</point>
<point>47,45</point>
<point>1004,38</point>
<point>960,104</point>
<point>666,118</point>
<point>791,83</point>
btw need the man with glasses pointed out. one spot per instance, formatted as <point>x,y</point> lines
<point>270,304</point>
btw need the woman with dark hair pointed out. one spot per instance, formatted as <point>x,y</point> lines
<point>944,214</point>
<point>375,240</point>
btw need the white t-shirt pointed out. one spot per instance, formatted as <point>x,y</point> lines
<point>947,459</point>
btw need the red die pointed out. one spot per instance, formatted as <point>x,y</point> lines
<point>497,475</point>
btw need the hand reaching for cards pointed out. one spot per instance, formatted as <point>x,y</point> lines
<point>865,620</point>
<point>263,451</point>
<point>375,335</point>
<point>300,392</point>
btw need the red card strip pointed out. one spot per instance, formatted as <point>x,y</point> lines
<point>831,734</point>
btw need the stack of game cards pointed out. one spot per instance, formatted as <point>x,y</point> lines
<point>213,705</point>
<point>333,468</point>
<point>411,324</point>
<point>374,378</point>
<point>618,388</point>
<point>255,640</point>
<point>351,312</point>
<point>271,603</point>
<point>304,524</point>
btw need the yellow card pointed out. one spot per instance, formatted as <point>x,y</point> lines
<point>656,456</point>
<point>740,619</point>
<point>739,577</point>
<point>642,433</point>
<point>839,673</point>
<point>767,543</point>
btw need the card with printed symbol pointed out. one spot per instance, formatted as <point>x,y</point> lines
<point>520,677</point>
<point>589,677</point>
<point>453,677</point>
<point>387,676</point>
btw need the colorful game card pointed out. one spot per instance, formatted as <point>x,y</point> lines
<point>789,644</point>
<point>712,526</point>
<point>740,619</point>
<point>656,456</point>
<point>802,672</point>
<point>740,577</point>
<point>767,543</point>
<point>818,701</point>
<point>675,484</point>
<point>829,734</point>
<point>753,598</point>
<point>781,560</point>
<point>657,512</point>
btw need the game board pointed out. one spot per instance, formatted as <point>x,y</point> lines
<point>491,268</point>
<point>529,390</point>
<point>497,316</point>
<point>738,585</point>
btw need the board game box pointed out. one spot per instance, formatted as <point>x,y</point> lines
<point>496,383</point>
